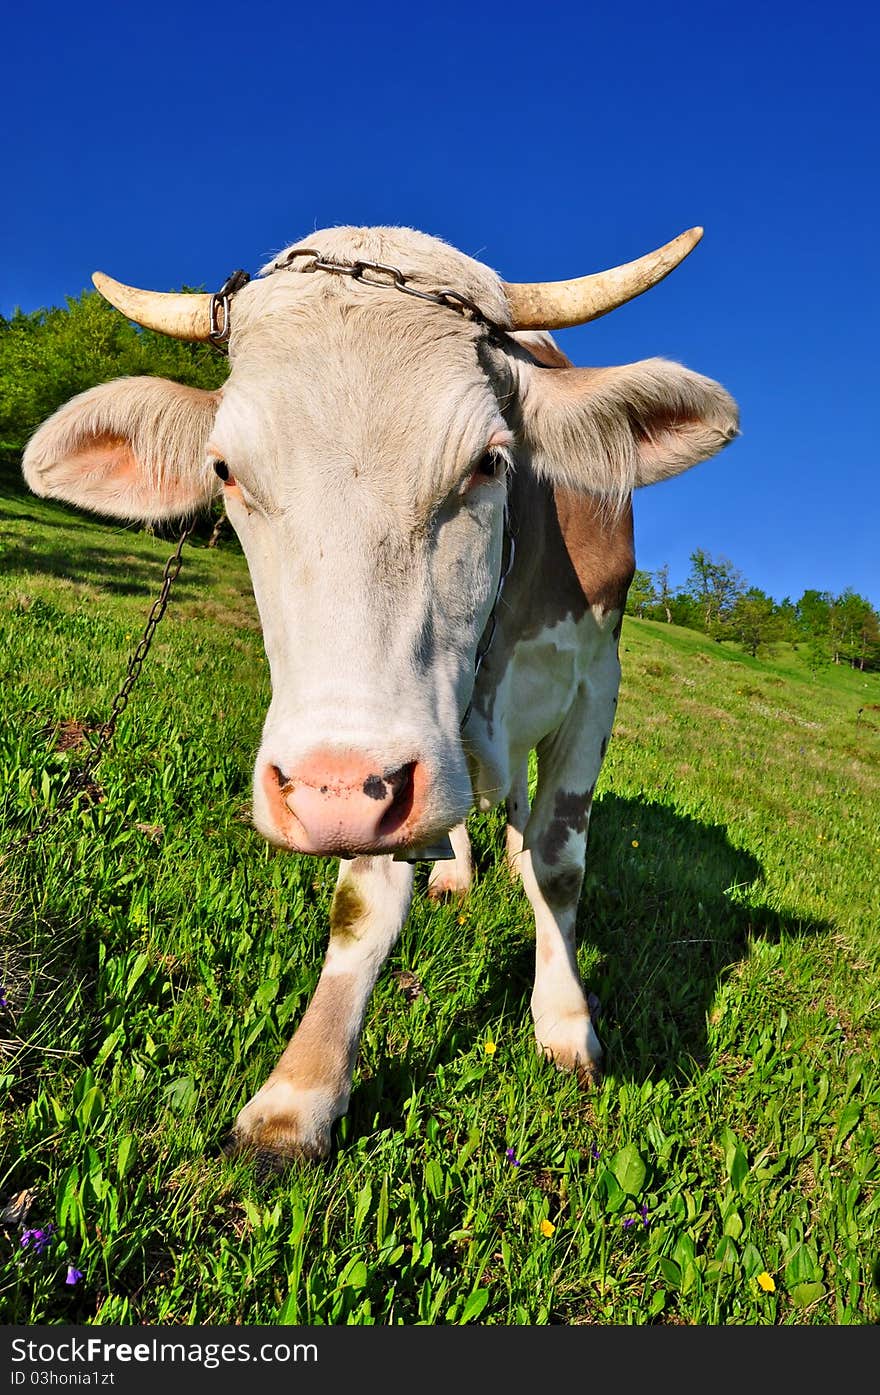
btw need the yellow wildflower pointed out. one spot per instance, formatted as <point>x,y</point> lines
<point>765,1282</point>
<point>547,1227</point>
<point>490,1047</point>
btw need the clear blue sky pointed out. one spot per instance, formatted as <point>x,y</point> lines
<point>169,145</point>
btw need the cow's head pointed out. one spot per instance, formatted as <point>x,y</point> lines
<point>362,444</point>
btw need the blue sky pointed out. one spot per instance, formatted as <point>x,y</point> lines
<point>170,147</point>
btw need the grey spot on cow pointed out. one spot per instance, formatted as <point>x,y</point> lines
<point>562,889</point>
<point>374,787</point>
<point>570,812</point>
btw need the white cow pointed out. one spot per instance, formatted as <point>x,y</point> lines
<point>379,453</point>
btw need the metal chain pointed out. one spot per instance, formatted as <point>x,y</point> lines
<point>79,780</point>
<point>392,276</point>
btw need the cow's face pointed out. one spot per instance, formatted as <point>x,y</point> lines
<point>362,444</point>
<point>366,447</point>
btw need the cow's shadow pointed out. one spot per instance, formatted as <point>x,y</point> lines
<point>669,907</point>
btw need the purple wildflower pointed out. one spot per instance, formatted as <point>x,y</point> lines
<point>37,1240</point>
<point>595,1152</point>
<point>643,1212</point>
<point>73,1275</point>
<point>512,1158</point>
<point>4,1002</point>
<point>630,1221</point>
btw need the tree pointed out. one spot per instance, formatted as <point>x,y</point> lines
<point>814,625</point>
<point>714,583</point>
<point>664,591</point>
<point>754,620</point>
<point>48,356</point>
<point>856,629</point>
<point>641,593</point>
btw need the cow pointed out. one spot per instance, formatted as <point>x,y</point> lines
<point>435,508</point>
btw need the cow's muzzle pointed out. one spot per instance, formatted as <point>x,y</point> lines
<point>338,804</point>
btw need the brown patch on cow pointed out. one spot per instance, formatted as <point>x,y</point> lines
<point>569,816</point>
<point>346,909</point>
<point>562,889</point>
<point>570,556</point>
<point>600,548</point>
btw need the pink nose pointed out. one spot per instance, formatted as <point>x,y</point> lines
<point>339,803</point>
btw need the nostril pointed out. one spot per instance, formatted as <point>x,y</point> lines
<point>401,778</point>
<point>402,783</point>
<point>280,776</point>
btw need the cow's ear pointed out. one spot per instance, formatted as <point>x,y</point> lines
<point>609,430</point>
<point>133,449</point>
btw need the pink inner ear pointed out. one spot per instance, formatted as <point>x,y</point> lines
<point>102,472</point>
<point>666,432</point>
<point>108,456</point>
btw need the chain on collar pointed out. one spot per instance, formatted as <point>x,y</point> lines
<point>221,303</point>
<point>368,273</point>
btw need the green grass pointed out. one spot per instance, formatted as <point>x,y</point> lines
<point>157,954</point>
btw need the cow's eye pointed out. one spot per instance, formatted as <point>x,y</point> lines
<point>488,467</point>
<point>221,469</point>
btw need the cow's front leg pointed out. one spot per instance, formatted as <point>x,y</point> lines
<point>292,1115</point>
<point>553,873</point>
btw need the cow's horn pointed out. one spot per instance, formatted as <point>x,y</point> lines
<point>180,315</point>
<point>559,304</point>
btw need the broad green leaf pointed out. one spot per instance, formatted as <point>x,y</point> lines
<point>474,1305</point>
<point>849,1118</point>
<point>68,1198</point>
<point>354,1275</point>
<point>91,1108</point>
<point>180,1095</point>
<point>629,1169</point>
<point>805,1294</point>
<point>126,1154</point>
<point>737,1166</point>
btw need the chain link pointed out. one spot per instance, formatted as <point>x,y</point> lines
<point>383,275</point>
<point>79,781</point>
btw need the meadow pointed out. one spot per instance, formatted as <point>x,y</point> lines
<point>155,956</point>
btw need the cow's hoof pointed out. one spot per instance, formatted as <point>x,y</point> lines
<point>282,1125</point>
<point>573,1046</point>
<point>445,881</point>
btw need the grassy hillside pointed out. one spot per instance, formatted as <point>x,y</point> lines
<point>156,954</point>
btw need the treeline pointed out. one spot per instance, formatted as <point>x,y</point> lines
<point>717,599</point>
<point>48,356</point>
